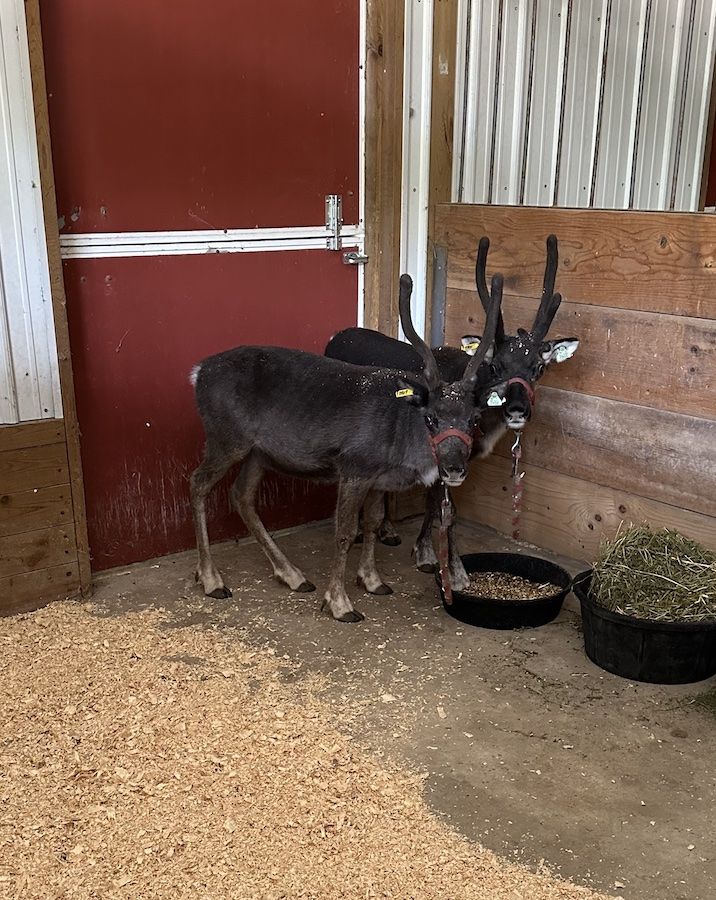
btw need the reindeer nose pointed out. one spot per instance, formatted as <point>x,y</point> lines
<point>518,411</point>
<point>454,474</point>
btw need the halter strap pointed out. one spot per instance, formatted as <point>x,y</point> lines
<point>526,385</point>
<point>435,439</point>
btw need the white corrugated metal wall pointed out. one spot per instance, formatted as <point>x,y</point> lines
<point>29,376</point>
<point>600,103</point>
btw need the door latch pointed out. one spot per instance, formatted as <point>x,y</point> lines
<point>353,258</point>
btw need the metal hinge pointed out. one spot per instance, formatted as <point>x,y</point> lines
<point>353,258</point>
<point>334,221</point>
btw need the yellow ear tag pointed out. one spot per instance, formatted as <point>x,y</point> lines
<point>405,392</point>
<point>471,347</point>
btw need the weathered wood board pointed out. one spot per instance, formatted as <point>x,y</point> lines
<point>649,261</point>
<point>649,452</point>
<point>662,361</point>
<point>568,514</point>
<point>626,430</point>
<point>31,590</point>
<point>36,508</point>
<point>33,467</point>
<point>39,549</point>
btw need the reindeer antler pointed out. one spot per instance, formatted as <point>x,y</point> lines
<point>494,317</point>
<point>481,284</point>
<point>430,370</point>
<point>549,303</point>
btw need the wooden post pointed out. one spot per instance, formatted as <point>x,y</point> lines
<point>442,118</point>
<point>59,303</point>
<point>384,143</point>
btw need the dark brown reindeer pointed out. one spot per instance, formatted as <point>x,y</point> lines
<point>518,361</point>
<point>371,430</point>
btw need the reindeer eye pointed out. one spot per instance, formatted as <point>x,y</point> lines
<point>431,421</point>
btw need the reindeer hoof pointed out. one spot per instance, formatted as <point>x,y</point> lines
<point>391,540</point>
<point>222,593</point>
<point>305,587</point>
<point>358,538</point>
<point>352,616</point>
<point>382,589</point>
<point>428,568</point>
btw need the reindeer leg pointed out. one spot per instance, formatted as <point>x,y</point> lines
<point>243,496</point>
<point>368,577</point>
<point>386,531</point>
<point>424,552</point>
<point>210,470</point>
<point>350,499</point>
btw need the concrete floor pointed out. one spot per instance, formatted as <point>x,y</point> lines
<point>529,748</point>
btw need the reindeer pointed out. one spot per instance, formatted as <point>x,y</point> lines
<point>371,430</point>
<point>518,361</point>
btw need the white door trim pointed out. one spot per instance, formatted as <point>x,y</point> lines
<point>106,244</point>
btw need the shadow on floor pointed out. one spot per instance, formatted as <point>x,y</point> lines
<point>529,748</point>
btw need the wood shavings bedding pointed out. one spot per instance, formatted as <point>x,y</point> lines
<point>140,761</point>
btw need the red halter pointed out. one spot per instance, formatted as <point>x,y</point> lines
<point>436,439</point>
<point>527,386</point>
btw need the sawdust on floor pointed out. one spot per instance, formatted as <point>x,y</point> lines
<point>139,760</point>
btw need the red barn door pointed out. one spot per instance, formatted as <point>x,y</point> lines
<point>194,146</point>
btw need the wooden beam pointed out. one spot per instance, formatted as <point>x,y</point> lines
<point>33,467</point>
<point>655,454</point>
<point>41,549</point>
<point>442,122</point>
<point>651,261</point>
<point>37,508</point>
<point>384,155</point>
<point>566,514</point>
<point>47,178</point>
<point>657,360</point>
<point>32,434</point>
<point>31,590</point>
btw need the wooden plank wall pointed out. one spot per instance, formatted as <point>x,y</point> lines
<point>626,430</point>
<point>38,547</point>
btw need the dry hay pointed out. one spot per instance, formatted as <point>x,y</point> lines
<point>141,761</point>
<point>659,575</point>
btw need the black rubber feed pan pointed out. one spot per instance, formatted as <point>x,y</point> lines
<point>643,650</point>
<point>487,612</point>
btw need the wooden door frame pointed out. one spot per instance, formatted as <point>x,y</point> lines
<point>59,301</point>
<point>385,24</point>
<point>385,38</point>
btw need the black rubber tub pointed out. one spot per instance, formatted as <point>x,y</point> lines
<point>488,612</point>
<point>642,650</point>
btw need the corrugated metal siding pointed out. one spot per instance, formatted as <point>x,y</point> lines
<point>598,103</point>
<point>417,92</point>
<point>29,377</point>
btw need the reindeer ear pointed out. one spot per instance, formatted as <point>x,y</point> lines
<point>412,392</point>
<point>469,344</point>
<point>558,351</point>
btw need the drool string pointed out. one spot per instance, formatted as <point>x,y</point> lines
<point>517,486</point>
<point>443,545</point>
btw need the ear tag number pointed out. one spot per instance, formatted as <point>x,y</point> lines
<point>494,399</point>
<point>471,347</point>
<point>561,354</point>
<point>405,392</point>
